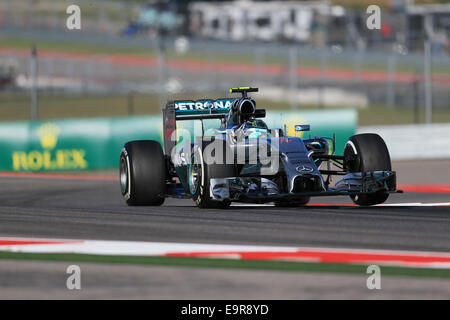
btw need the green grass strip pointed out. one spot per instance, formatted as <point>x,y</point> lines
<point>227,263</point>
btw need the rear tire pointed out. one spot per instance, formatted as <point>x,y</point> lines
<point>143,173</point>
<point>367,152</point>
<point>201,194</point>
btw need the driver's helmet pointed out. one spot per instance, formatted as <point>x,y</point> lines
<point>258,123</point>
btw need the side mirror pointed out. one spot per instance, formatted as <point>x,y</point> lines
<point>302,127</point>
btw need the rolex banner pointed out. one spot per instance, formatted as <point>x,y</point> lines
<point>83,144</point>
<point>65,145</point>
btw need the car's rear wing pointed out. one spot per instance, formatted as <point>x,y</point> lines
<point>202,109</point>
<point>198,110</point>
<point>191,110</point>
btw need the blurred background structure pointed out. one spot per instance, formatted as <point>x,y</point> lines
<point>130,56</point>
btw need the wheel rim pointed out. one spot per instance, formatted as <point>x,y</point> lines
<point>123,175</point>
<point>351,159</point>
<point>195,173</point>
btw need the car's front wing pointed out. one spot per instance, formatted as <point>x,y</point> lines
<point>256,189</point>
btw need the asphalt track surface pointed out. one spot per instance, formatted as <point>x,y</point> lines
<point>93,209</point>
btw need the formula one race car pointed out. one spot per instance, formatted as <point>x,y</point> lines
<point>245,161</point>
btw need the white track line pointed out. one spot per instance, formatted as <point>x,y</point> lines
<point>408,204</point>
<point>415,204</point>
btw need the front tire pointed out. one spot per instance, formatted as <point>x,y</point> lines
<point>143,173</point>
<point>367,152</point>
<point>200,173</point>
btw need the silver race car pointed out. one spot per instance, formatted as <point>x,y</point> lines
<point>243,160</point>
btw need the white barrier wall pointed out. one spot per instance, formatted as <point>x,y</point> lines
<point>409,142</point>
